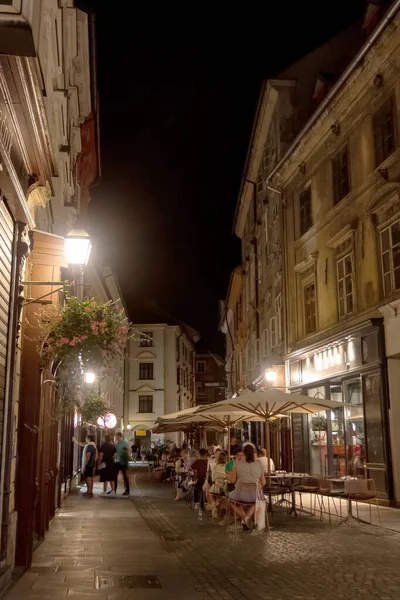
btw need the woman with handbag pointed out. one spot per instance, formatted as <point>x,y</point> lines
<point>106,465</point>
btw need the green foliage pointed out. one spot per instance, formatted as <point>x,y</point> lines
<point>318,423</point>
<point>93,407</point>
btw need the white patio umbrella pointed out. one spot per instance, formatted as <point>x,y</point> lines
<point>270,404</point>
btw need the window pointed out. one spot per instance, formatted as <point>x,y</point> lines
<point>146,339</point>
<point>383,124</point>
<point>145,404</point>
<point>278,314</point>
<point>345,285</point>
<point>201,366</point>
<point>266,341</point>
<point>390,243</point>
<point>146,370</point>
<point>200,389</point>
<point>305,211</point>
<point>272,328</point>
<point>310,314</point>
<point>340,172</point>
<point>260,182</point>
<point>258,352</point>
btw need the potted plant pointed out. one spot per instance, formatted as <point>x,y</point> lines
<point>318,425</point>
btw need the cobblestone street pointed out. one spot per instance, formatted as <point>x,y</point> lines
<point>163,543</point>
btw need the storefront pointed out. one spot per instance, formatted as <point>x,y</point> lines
<point>353,440</point>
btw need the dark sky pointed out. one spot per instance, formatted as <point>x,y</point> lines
<point>178,93</point>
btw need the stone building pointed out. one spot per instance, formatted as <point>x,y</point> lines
<point>161,378</point>
<point>209,378</point>
<point>284,105</point>
<point>337,188</point>
<point>49,157</point>
<point>231,325</point>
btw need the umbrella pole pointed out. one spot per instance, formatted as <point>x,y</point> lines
<point>229,442</point>
<point>268,438</point>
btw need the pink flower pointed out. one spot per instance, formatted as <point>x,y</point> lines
<point>83,338</point>
<point>87,309</point>
<point>94,325</point>
<point>64,341</point>
<point>105,342</point>
<point>72,343</point>
<point>103,353</point>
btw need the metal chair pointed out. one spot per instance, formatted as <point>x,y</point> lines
<point>362,490</point>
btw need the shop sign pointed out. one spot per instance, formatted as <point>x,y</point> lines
<point>141,432</point>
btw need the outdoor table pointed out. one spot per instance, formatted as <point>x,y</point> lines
<point>293,480</point>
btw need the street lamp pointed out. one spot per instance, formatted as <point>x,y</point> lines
<point>270,376</point>
<point>77,247</point>
<point>90,377</point>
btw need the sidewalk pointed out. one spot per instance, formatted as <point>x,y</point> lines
<point>91,540</point>
<point>158,541</point>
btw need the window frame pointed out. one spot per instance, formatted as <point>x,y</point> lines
<point>378,115</point>
<point>278,315</point>
<point>340,190</point>
<point>309,224</point>
<point>144,342</point>
<point>202,392</point>
<point>388,228</point>
<point>339,259</point>
<point>306,284</point>
<point>145,367</point>
<point>273,332</point>
<point>146,398</point>
<point>201,362</point>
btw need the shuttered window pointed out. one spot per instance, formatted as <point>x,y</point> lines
<point>6,258</point>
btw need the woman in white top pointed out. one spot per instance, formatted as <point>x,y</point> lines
<point>246,471</point>
<point>263,459</point>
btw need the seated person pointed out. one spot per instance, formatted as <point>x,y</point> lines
<point>263,459</point>
<point>246,471</point>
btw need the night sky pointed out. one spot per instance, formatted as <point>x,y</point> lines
<point>178,92</point>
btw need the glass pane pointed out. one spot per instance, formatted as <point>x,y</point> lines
<point>340,269</point>
<point>318,442</point>
<point>337,428</point>
<point>386,262</point>
<point>373,415</point>
<point>395,233</point>
<point>348,265</point>
<point>355,429</point>
<point>349,302</point>
<point>396,257</point>
<point>341,307</point>
<point>349,285</point>
<point>387,284</point>
<point>397,279</point>
<point>385,240</point>
<point>341,288</point>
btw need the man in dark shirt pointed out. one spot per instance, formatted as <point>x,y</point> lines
<point>200,466</point>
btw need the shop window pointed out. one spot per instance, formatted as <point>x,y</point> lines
<point>200,366</point>
<point>146,404</point>
<point>146,370</point>
<point>310,308</point>
<point>345,286</point>
<point>340,172</point>
<point>146,339</point>
<point>390,248</point>
<point>384,137</point>
<point>305,211</point>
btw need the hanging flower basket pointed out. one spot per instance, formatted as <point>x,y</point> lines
<point>82,336</point>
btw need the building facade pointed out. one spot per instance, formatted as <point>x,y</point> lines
<point>338,188</point>
<point>161,378</point>
<point>261,326</point>
<point>49,158</point>
<point>230,325</point>
<point>209,378</point>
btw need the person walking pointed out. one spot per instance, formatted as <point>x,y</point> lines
<point>106,465</point>
<point>121,462</point>
<point>89,458</point>
<point>143,454</point>
<point>134,449</point>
